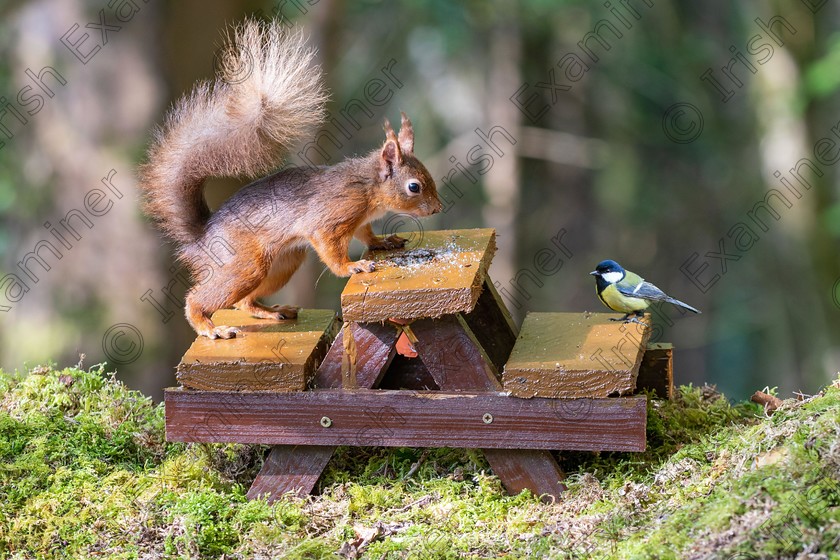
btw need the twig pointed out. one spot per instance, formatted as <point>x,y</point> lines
<point>421,502</point>
<point>769,402</point>
<point>416,465</point>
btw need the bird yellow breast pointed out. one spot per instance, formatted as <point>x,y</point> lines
<point>614,299</point>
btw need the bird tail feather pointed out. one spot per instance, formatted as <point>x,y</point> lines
<point>681,304</point>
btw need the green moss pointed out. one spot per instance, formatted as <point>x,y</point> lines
<point>85,471</point>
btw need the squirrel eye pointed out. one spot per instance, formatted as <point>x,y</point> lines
<point>414,186</point>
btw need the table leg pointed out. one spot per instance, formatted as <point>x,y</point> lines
<point>456,361</point>
<point>454,357</point>
<point>532,469</point>
<point>290,468</point>
<point>492,325</point>
<point>359,361</point>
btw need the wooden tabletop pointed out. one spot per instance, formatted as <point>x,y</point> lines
<point>437,273</point>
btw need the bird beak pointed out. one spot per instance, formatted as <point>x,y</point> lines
<point>594,273</point>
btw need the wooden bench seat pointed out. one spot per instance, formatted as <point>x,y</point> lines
<point>575,355</point>
<point>267,355</point>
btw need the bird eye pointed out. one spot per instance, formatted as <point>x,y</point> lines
<point>413,186</point>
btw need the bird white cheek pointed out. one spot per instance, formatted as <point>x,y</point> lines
<point>612,277</point>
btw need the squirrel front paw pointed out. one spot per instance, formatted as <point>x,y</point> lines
<point>390,242</point>
<point>361,266</point>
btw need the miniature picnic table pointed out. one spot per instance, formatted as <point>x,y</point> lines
<point>418,362</point>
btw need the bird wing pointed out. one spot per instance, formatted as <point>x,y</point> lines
<point>642,290</point>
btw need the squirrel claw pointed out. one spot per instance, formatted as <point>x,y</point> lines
<point>223,332</point>
<point>390,242</point>
<point>361,266</point>
<point>286,311</point>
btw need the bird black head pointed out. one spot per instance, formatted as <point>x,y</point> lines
<point>607,266</point>
<point>609,270</point>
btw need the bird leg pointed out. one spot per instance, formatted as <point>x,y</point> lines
<point>628,319</point>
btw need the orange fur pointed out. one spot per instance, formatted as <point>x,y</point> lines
<point>256,241</point>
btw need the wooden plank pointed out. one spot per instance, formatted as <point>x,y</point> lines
<point>453,356</point>
<point>360,362</point>
<point>439,273</point>
<point>527,469</point>
<point>492,325</point>
<point>405,419</point>
<point>657,370</point>
<point>570,355</point>
<point>266,356</point>
<point>290,469</point>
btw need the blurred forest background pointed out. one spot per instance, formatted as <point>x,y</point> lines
<point>645,131</point>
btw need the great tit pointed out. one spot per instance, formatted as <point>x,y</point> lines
<point>628,293</point>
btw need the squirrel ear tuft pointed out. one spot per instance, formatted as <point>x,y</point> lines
<point>389,131</point>
<point>406,138</point>
<point>390,158</point>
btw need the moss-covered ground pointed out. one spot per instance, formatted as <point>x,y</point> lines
<point>85,472</point>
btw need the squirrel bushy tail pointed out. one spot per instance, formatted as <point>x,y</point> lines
<point>267,97</point>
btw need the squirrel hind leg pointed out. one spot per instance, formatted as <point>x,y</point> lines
<point>231,284</point>
<point>283,266</point>
<point>199,320</point>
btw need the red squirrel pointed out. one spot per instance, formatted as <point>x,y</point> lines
<point>257,239</point>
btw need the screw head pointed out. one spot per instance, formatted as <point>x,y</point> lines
<point>487,418</point>
<point>326,422</point>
